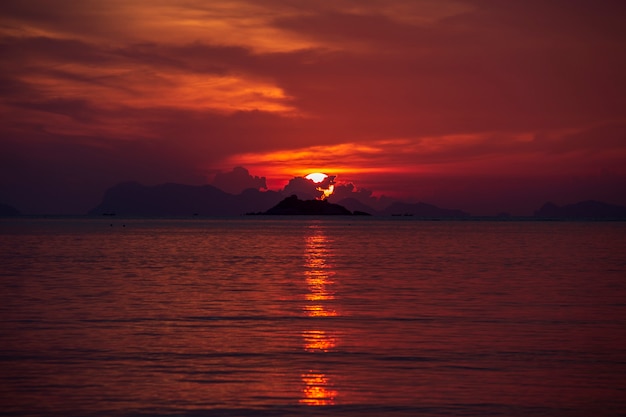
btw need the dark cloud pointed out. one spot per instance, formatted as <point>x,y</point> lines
<point>27,49</point>
<point>303,188</point>
<point>363,195</point>
<point>77,109</point>
<point>238,180</point>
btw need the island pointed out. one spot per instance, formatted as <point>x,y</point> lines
<point>292,205</point>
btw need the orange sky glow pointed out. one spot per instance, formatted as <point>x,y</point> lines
<point>481,105</point>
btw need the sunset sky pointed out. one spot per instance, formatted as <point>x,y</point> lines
<point>481,105</point>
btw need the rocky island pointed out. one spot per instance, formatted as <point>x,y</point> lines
<point>294,206</point>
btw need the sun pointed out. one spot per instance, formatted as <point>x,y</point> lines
<point>326,183</point>
<point>316,177</point>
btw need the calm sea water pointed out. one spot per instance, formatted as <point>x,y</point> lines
<point>305,316</point>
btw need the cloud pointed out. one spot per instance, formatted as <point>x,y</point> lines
<point>238,180</point>
<point>364,195</point>
<point>465,73</point>
<point>387,95</point>
<point>303,188</point>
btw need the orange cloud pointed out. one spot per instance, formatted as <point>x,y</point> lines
<point>493,154</point>
<point>347,159</point>
<point>118,22</point>
<point>144,86</point>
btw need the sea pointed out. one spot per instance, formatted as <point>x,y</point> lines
<point>311,316</point>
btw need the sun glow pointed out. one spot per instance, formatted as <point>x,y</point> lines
<point>326,183</point>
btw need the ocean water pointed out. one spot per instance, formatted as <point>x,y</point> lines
<point>312,316</point>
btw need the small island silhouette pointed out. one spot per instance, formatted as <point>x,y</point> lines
<point>292,205</point>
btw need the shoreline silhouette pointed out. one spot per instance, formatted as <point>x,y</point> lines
<point>180,200</point>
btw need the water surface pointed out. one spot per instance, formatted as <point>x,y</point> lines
<point>265,316</point>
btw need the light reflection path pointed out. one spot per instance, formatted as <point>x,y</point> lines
<point>318,389</point>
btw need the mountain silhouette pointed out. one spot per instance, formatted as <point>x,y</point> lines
<point>7,210</point>
<point>294,206</point>
<point>589,209</point>
<point>355,205</point>
<point>134,199</point>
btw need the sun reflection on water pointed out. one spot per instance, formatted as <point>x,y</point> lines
<point>318,389</point>
<point>318,276</point>
<point>318,340</point>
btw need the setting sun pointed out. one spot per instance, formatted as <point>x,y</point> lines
<point>326,183</point>
<point>316,177</point>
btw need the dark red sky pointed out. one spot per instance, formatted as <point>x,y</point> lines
<point>482,105</point>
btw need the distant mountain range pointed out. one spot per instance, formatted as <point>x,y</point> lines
<point>134,199</point>
<point>7,210</point>
<point>589,209</point>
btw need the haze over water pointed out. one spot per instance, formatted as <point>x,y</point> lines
<point>261,316</point>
